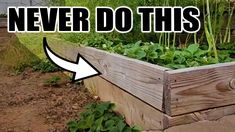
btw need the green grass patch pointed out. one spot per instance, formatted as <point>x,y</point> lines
<point>53,81</point>
<point>33,41</point>
<point>45,66</point>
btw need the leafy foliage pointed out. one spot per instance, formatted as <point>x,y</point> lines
<point>20,67</point>
<point>38,65</point>
<point>217,14</point>
<point>3,15</point>
<point>45,66</point>
<point>155,53</point>
<point>135,34</point>
<point>99,117</point>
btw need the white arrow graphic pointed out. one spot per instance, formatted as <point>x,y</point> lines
<point>82,69</point>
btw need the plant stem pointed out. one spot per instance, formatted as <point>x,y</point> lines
<point>211,35</point>
<point>228,27</point>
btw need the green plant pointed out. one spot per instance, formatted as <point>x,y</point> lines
<point>53,81</point>
<point>227,36</point>
<point>45,66</point>
<point>174,58</point>
<point>135,34</point>
<point>163,49</point>
<point>99,117</point>
<point>210,34</point>
<point>38,65</point>
<point>3,15</point>
<point>20,68</point>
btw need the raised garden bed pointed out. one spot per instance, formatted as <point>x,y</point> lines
<point>156,97</point>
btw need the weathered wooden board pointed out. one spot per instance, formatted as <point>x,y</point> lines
<point>200,88</point>
<point>136,111</point>
<point>143,80</point>
<point>139,113</point>
<point>206,115</point>
<point>175,92</point>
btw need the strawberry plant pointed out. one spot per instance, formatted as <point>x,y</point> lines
<point>175,58</point>
<point>99,117</point>
<point>167,51</point>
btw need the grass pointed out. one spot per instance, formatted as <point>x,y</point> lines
<point>33,42</point>
<point>53,81</point>
<point>45,66</point>
<point>16,54</point>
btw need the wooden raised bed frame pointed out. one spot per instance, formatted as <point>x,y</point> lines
<point>156,97</point>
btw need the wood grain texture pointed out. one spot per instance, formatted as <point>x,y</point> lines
<point>136,111</point>
<point>140,113</point>
<point>141,79</point>
<point>174,92</point>
<point>195,89</point>
<point>206,115</point>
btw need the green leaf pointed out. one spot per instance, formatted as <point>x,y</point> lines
<point>179,59</point>
<point>168,57</point>
<point>135,52</point>
<point>121,125</point>
<point>98,123</point>
<point>73,126</point>
<point>82,124</point>
<point>109,124</point>
<point>193,48</point>
<point>151,55</point>
<point>138,42</point>
<point>212,60</point>
<point>127,129</point>
<point>176,66</point>
<point>200,53</point>
<point>192,63</point>
<point>114,129</point>
<point>186,54</point>
<point>136,128</point>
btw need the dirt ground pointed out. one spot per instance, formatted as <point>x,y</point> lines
<point>27,104</point>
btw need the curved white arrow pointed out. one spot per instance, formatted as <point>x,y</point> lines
<point>82,69</point>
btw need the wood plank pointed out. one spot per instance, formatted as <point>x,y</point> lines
<point>136,111</point>
<point>142,79</point>
<point>208,115</point>
<point>200,88</point>
<point>139,113</point>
